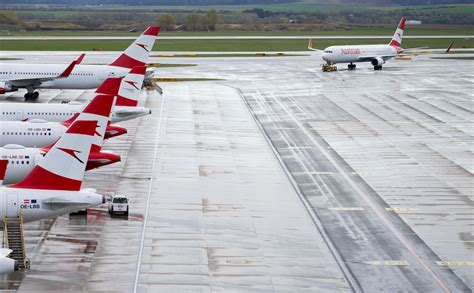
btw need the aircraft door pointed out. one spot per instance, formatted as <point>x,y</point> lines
<point>12,205</point>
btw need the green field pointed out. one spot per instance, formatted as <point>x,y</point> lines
<point>302,6</point>
<point>213,45</point>
<point>455,58</point>
<point>358,31</point>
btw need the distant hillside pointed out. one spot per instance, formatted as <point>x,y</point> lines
<point>236,2</point>
<point>148,2</point>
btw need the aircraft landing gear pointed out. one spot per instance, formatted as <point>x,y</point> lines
<point>327,67</point>
<point>351,66</point>
<point>31,96</point>
<point>378,67</point>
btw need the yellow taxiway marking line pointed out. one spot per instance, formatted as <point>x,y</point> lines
<point>455,263</point>
<point>347,209</point>
<point>387,262</point>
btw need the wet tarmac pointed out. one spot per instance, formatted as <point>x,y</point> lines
<point>278,178</point>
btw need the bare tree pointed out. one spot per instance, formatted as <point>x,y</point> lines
<point>167,22</point>
<point>212,19</point>
<point>192,21</point>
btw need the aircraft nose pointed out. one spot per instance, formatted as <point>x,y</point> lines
<point>324,56</point>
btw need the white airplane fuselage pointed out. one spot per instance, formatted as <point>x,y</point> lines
<point>21,161</point>
<point>61,112</point>
<point>81,77</point>
<point>352,54</point>
<point>37,204</point>
<point>36,133</point>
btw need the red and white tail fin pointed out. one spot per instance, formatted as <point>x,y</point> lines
<point>398,36</point>
<point>99,109</point>
<point>64,165</point>
<point>81,57</point>
<point>110,86</point>
<point>137,53</point>
<point>114,130</point>
<point>310,46</point>
<point>131,87</point>
<point>3,170</point>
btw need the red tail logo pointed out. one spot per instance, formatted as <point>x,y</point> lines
<point>96,133</point>
<point>132,83</point>
<point>72,153</point>
<point>143,47</point>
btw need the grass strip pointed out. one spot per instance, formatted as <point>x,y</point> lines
<point>213,45</point>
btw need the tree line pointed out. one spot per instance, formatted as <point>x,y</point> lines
<point>194,21</point>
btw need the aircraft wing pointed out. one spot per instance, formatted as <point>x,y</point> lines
<point>423,50</point>
<point>408,52</point>
<point>369,58</point>
<point>21,82</point>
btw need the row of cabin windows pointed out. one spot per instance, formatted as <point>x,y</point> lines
<point>18,162</point>
<point>45,73</point>
<point>49,113</point>
<point>26,133</point>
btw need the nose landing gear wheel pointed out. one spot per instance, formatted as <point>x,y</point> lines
<point>351,66</point>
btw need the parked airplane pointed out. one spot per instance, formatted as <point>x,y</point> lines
<point>39,133</point>
<point>22,160</point>
<point>126,107</point>
<point>33,76</point>
<point>53,187</point>
<point>375,54</point>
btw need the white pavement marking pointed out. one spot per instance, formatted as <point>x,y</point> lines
<point>145,218</point>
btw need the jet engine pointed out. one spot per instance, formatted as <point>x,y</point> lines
<point>4,87</point>
<point>377,61</point>
<point>7,265</point>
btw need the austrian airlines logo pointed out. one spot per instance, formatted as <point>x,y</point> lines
<point>96,130</point>
<point>72,153</point>
<point>132,83</point>
<point>143,47</point>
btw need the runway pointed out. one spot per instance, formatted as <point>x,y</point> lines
<point>278,178</point>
